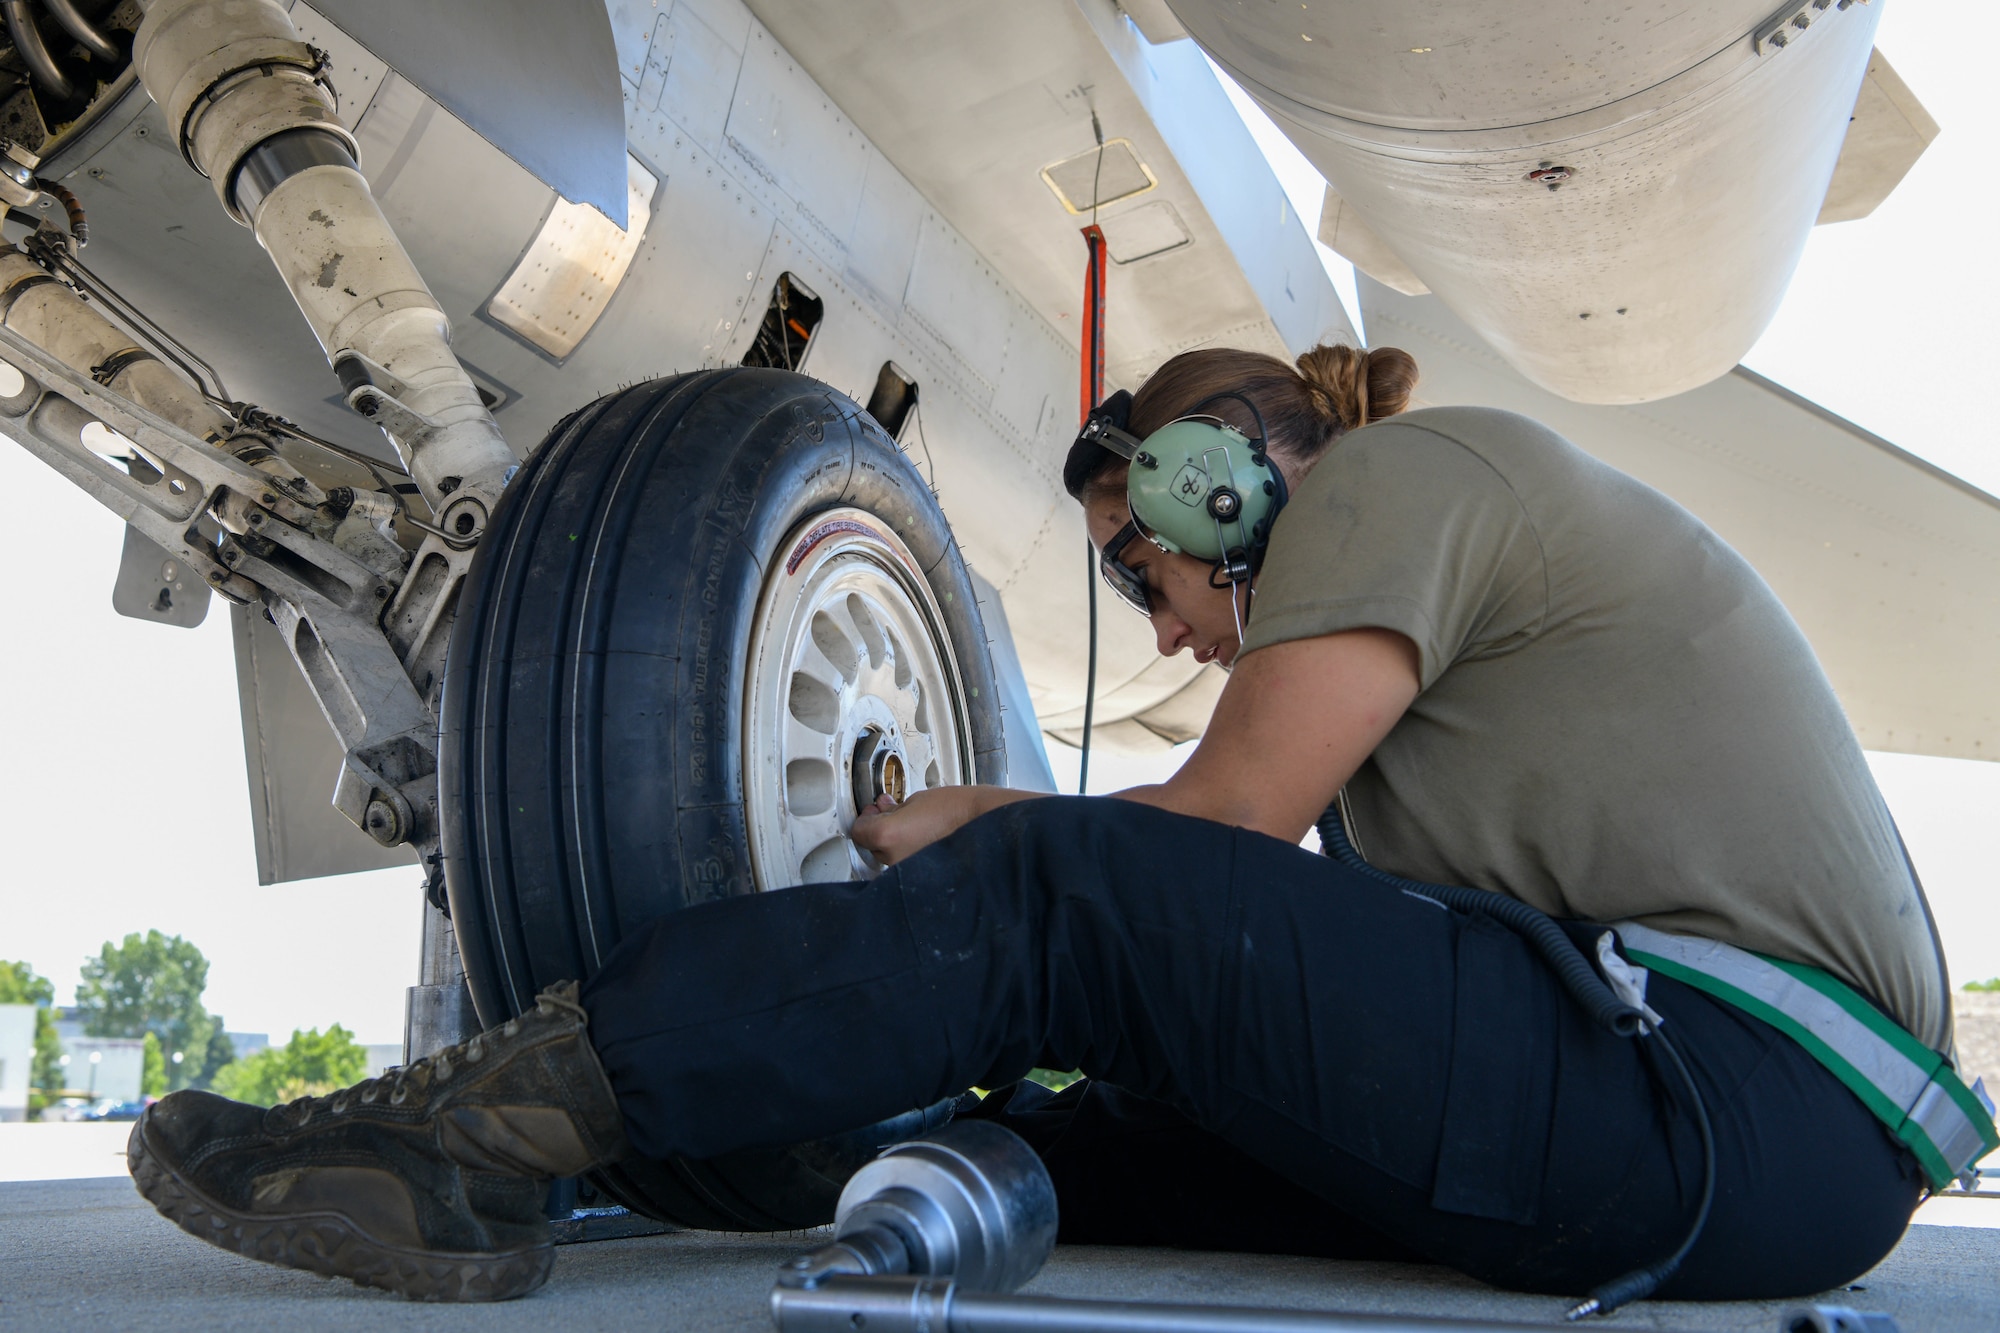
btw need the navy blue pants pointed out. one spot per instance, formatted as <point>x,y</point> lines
<point>1282,1055</point>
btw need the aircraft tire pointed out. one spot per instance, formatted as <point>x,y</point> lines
<point>599,685</point>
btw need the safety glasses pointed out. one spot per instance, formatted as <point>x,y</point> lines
<point>1122,578</point>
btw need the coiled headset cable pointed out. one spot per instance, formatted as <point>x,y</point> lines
<point>1605,1008</point>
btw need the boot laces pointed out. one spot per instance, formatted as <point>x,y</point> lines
<point>418,1075</point>
<point>396,1083</point>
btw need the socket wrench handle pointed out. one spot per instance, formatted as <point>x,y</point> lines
<point>844,1303</point>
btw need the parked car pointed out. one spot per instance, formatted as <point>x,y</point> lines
<point>108,1109</point>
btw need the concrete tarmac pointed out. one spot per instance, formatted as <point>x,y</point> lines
<point>92,1254</point>
<point>63,1151</point>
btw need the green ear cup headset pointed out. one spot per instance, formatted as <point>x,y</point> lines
<point>1197,486</point>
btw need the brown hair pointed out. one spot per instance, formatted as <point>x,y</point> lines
<point>1333,390</point>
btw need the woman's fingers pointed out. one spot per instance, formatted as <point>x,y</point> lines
<point>874,829</point>
<point>866,832</point>
<point>895,831</point>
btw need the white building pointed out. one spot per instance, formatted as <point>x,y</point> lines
<point>247,1043</point>
<point>100,1067</point>
<point>17,1059</point>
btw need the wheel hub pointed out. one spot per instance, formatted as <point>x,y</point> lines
<point>879,768</point>
<point>853,694</point>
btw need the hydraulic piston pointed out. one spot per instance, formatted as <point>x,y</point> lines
<point>252,111</point>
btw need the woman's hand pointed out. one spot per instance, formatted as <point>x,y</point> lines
<point>895,832</point>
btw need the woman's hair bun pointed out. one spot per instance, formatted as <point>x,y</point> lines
<point>1352,387</point>
<point>1301,407</point>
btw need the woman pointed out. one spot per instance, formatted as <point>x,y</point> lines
<point>1523,671</point>
<point>1518,670</point>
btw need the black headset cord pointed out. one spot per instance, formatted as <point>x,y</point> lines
<point>1090,676</point>
<point>1598,1000</point>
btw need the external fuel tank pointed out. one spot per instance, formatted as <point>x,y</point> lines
<point>1614,193</point>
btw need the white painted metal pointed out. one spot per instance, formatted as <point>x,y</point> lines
<point>230,74</point>
<point>705,89</point>
<point>50,316</point>
<point>1690,158</point>
<point>1155,21</point>
<point>886,153</point>
<point>57,411</point>
<point>572,269</point>
<point>155,586</point>
<point>324,602</point>
<point>1157,709</point>
<point>530,75</point>
<point>358,289</point>
<point>1342,230</point>
<point>1027,758</point>
<point>1888,133</point>
<point>353,71</point>
<point>970,101</point>
<point>1095,179</point>
<point>290,756</point>
<point>852,691</point>
<point>1891,567</point>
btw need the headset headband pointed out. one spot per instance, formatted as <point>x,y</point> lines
<point>1102,438</point>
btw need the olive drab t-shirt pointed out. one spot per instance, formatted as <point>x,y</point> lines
<point>1618,719</point>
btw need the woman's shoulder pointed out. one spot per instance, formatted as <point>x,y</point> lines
<point>1479,429</point>
<point>1454,445</point>
<point>1530,457</point>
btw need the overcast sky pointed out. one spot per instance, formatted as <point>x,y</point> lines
<point>122,799</point>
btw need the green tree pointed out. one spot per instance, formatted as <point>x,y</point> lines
<point>221,1051</point>
<point>20,985</point>
<point>152,1068</point>
<point>1991,984</point>
<point>311,1064</point>
<point>151,983</point>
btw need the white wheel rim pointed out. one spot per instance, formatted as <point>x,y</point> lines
<point>852,686</point>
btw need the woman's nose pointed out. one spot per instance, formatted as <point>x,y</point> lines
<point>1170,631</point>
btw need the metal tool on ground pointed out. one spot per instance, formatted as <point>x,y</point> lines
<point>936,1235</point>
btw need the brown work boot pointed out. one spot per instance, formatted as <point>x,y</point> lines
<point>427,1181</point>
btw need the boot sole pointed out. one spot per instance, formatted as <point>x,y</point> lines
<point>331,1245</point>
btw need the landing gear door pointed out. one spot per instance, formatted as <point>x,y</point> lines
<point>156,586</point>
<point>537,79</point>
<point>292,760</point>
